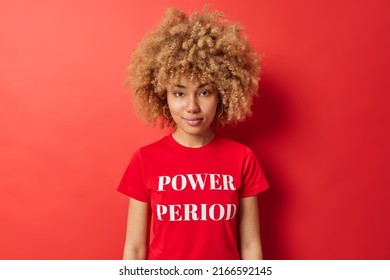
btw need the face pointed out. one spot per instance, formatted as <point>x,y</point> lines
<point>192,106</point>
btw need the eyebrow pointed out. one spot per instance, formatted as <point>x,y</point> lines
<point>200,86</point>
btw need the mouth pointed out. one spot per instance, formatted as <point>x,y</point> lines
<point>193,121</point>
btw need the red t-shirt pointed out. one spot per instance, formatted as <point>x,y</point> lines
<point>194,195</point>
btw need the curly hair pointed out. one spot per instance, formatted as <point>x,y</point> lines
<point>204,45</point>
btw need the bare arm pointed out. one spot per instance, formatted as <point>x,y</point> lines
<point>249,229</point>
<point>137,233</point>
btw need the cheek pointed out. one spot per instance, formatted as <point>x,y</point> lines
<point>212,107</point>
<point>171,103</point>
<point>174,107</point>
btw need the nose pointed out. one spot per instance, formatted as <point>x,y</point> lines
<point>192,104</point>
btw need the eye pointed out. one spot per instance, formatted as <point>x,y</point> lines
<point>178,93</point>
<point>205,93</point>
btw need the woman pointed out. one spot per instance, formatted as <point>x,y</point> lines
<point>195,190</point>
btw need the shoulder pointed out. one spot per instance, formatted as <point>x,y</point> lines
<point>152,150</point>
<point>157,145</point>
<point>233,146</point>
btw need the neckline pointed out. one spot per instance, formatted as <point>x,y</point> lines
<point>181,147</point>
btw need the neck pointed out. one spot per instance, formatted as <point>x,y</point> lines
<point>192,140</point>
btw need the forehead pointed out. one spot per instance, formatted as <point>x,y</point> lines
<point>187,81</point>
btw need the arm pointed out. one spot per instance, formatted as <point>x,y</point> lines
<point>137,233</point>
<point>249,229</point>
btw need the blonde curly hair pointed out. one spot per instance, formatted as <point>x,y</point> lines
<point>207,47</point>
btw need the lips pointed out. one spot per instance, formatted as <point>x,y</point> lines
<point>193,121</point>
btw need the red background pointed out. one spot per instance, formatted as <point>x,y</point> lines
<point>320,127</point>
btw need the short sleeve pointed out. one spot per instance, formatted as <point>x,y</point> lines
<point>133,183</point>
<point>253,179</point>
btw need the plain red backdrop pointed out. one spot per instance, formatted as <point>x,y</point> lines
<point>320,127</point>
